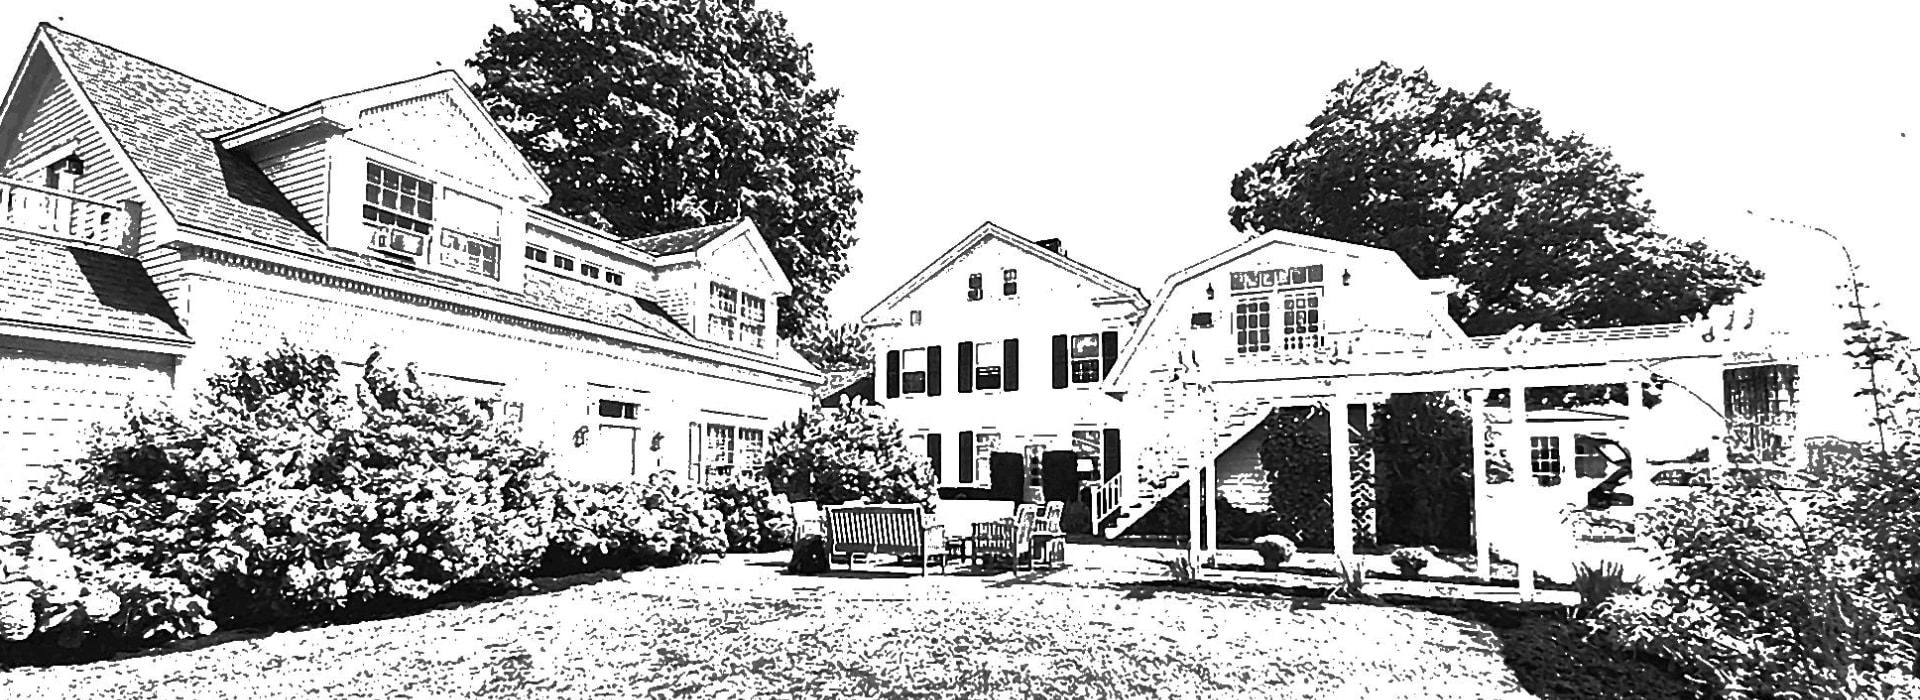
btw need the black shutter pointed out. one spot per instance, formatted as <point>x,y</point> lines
<point>966,457</point>
<point>1010,365</point>
<point>1109,351</point>
<point>1059,362</point>
<point>933,455</point>
<point>966,367</point>
<point>893,374</point>
<point>1110,449</point>
<point>933,370</point>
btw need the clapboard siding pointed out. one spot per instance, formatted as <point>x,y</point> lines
<point>56,118</point>
<point>300,171</point>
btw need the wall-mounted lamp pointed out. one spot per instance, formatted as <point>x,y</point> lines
<point>75,166</point>
<point>1209,290</point>
<point>1346,278</point>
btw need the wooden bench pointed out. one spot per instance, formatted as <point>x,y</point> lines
<point>906,530</point>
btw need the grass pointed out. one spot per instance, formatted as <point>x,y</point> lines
<point>738,630</point>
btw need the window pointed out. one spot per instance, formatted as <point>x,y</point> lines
<point>913,318</point>
<point>468,254</point>
<point>590,270</point>
<point>1087,444</point>
<point>753,319</point>
<point>537,254</point>
<point>616,279</point>
<point>398,200</point>
<point>1546,459</point>
<point>986,365</point>
<point>751,444</point>
<point>1083,356</point>
<point>974,292</point>
<point>1009,282</point>
<point>618,409</point>
<point>1253,326</point>
<point>1762,412</point>
<point>1300,320</point>
<point>984,445</point>
<point>563,262</point>
<point>913,371</point>
<point>1202,319</point>
<point>1278,277</point>
<point>720,448</point>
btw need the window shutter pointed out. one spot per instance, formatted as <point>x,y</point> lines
<point>965,465</point>
<point>1110,453</point>
<point>933,370</point>
<point>893,374</point>
<point>1109,351</point>
<point>1059,362</point>
<point>966,367</point>
<point>1010,365</point>
<point>933,455</point>
<point>695,466</point>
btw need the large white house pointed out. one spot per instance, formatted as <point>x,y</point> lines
<point>152,225</point>
<point>1000,345</point>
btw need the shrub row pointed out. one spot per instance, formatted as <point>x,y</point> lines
<point>288,495</point>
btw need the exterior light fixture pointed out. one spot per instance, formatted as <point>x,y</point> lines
<point>1346,278</point>
<point>1209,291</point>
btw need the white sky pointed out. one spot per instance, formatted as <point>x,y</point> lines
<point>1118,126</point>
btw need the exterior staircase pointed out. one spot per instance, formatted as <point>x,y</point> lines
<point>1196,432</point>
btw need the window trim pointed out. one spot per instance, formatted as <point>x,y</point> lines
<point>1009,282</point>
<point>538,254</point>
<point>997,370</point>
<point>1075,361</point>
<point>908,375</point>
<point>373,205</point>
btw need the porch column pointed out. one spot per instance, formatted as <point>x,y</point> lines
<point>1482,543</point>
<point>1193,517</point>
<point>1209,513</point>
<point>1520,459</point>
<point>1338,458</point>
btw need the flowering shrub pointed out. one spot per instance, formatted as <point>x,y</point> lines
<point>845,455</point>
<point>658,522</point>
<point>754,519</point>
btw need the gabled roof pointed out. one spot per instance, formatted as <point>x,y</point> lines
<point>682,241</point>
<point>990,230</point>
<point>55,286</point>
<point>701,239</point>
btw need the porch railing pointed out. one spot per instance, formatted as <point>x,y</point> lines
<point>1106,499</point>
<point>65,216</point>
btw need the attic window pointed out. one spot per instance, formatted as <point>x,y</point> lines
<point>974,292</point>
<point>398,200</point>
<point>1009,282</point>
<point>563,262</point>
<point>616,279</point>
<point>590,270</point>
<point>536,253</point>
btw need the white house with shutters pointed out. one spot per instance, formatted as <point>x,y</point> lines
<point>152,225</point>
<point>1000,345</point>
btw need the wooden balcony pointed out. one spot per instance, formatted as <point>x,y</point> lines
<point>66,217</point>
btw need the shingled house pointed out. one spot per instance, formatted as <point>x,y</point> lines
<point>152,225</point>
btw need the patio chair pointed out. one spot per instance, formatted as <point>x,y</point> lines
<point>806,519</point>
<point>1049,540</point>
<point>1007,540</point>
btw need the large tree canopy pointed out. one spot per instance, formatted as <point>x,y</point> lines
<point>1540,228</point>
<point>654,115</point>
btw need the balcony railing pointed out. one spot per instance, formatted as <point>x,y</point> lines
<point>64,216</point>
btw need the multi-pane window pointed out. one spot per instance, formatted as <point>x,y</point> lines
<point>913,371</point>
<point>590,271</point>
<point>563,262</point>
<point>617,409</point>
<point>397,199</point>
<point>1009,282</point>
<point>984,445</point>
<point>616,279</point>
<point>1083,358</point>
<point>720,448</point>
<point>1253,325</point>
<point>1300,320</point>
<point>1762,411</point>
<point>987,364</point>
<point>974,290</point>
<point>1546,458</point>
<point>537,254</point>
<point>753,319</point>
<point>1277,277</point>
<point>736,315</point>
<point>468,253</point>
<point>1088,444</point>
<point>751,444</point>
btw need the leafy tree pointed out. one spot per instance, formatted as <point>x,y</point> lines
<point>843,347</point>
<point>658,115</point>
<point>843,455</point>
<point>1540,228</point>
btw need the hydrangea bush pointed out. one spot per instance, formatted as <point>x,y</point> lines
<point>846,455</point>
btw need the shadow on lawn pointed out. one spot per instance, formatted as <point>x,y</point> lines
<point>1542,645</point>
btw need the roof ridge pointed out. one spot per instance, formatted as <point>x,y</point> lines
<point>49,26</point>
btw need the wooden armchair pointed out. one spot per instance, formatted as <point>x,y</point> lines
<point>1049,540</point>
<point>1009,540</point>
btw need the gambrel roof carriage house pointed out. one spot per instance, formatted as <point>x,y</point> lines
<point>151,225</point>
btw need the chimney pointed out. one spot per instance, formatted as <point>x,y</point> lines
<point>1053,244</point>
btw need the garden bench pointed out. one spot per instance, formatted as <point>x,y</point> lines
<point>906,530</point>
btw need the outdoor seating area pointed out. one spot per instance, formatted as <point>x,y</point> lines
<point>1029,539</point>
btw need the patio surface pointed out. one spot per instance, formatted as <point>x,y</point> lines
<point>742,628</point>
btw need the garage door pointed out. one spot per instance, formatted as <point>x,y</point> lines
<point>50,399</point>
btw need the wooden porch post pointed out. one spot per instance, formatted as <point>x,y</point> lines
<point>1193,517</point>
<point>1520,460</point>
<point>1482,543</point>
<point>1338,460</point>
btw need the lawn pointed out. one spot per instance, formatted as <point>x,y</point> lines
<point>741,629</point>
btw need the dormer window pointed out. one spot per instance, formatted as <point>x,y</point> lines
<point>737,316</point>
<point>590,271</point>
<point>563,262</point>
<point>753,319</point>
<point>398,200</point>
<point>537,254</point>
<point>616,279</point>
